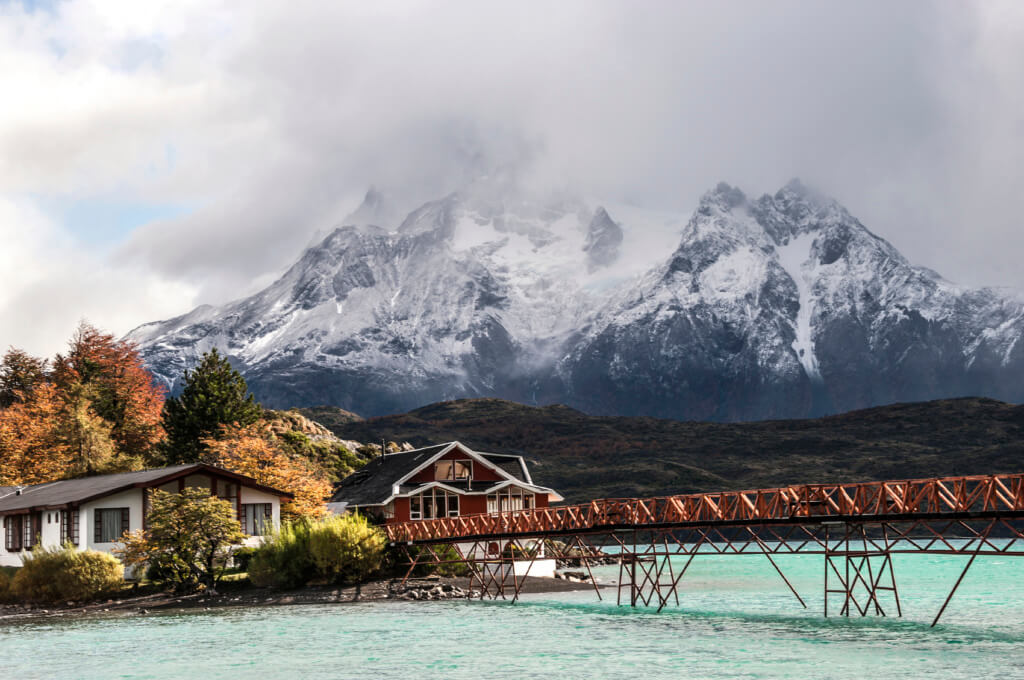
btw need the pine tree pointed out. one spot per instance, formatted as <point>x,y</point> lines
<point>20,374</point>
<point>215,395</point>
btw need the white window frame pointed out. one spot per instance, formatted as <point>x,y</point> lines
<point>511,499</point>
<point>417,504</point>
<point>451,463</point>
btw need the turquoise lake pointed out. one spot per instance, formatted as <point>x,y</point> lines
<point>736,620</point>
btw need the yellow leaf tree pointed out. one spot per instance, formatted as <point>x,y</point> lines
<point>256,452</point>
<point>32,449</point>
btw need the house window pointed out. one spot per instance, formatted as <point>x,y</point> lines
<point>13,532</point>
<point>227,491</point>
<point>510,500</point>
<point>257,519</point>
<point>434,504</point>
<point>69,526</point>
<point>32,526</point>
<point>453,470</point>
<point>109,524</point>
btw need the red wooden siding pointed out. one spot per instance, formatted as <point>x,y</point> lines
<point>481,472</point>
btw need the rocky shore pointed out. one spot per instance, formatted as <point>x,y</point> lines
<point>415,589</point>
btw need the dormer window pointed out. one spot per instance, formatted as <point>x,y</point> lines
<point>453,470</point>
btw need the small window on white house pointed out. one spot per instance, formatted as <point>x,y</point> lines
<point>453,470</point>
<point>69,526</point>
<point>109,524</point>
<point>13,533</point>
<point>257,519</point>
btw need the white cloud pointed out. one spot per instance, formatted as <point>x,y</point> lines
<point>49,281</point>
<point>273,118</point>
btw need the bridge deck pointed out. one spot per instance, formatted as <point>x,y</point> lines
<point>947,498</point>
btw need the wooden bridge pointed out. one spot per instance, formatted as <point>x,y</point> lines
<point>856,527</point>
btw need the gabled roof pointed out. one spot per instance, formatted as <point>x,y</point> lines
<point>513,465</point>
<point>375,484</point>
<point>75,491</point>
<point>376,479</point>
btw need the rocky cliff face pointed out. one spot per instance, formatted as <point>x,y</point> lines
<point>781,306</point>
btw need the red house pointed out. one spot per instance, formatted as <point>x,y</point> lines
<point>447,480</point>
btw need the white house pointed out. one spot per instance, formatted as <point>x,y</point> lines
<point>93,512</point>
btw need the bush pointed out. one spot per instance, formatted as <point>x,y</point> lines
<point>283,561</point>
<point>58,574</point>
<point>5,585</point>
<point>345,548</point>
<point>339,549</point>
<point>242,557</point>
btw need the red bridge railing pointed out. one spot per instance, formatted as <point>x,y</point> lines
<point>953,497</point>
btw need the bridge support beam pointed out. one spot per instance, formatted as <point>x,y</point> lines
<point>860,573</point>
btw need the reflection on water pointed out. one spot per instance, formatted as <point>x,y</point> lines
<point>736,620</point>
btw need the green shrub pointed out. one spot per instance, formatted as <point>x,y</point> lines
<point>5,585</point>
<point>345,548</point>
<point>283,561</point>
<point>450,568</point>
<point>339,549</point>
<point>242,557</point>
<point>58,574</point>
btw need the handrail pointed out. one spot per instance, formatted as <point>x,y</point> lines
<point>905,498</point>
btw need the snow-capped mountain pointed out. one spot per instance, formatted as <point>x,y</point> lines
<point>783,306</point>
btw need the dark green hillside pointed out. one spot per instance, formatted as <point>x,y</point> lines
<point>330,417</point>
<point>590,456</point>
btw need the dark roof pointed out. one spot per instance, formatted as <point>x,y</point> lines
<point>513,465</point>
<point>373,484</point>
<point>72,491</point>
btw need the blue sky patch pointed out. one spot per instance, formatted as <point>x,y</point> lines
<point>102,222</point>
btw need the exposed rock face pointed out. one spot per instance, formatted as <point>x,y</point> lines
<point>603,240</point>
<point>783,306</point>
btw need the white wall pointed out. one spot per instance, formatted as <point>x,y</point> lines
<point>131,499</point>
<point>255,496</point>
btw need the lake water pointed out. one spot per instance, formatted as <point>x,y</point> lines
<point>736,620</point>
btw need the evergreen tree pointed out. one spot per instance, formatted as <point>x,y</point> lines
<point>215,395</point>
<point>20,374</point>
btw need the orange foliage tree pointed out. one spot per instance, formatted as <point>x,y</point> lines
<point>98,410</point>
<point>110,375</point>
<point>255,451</point>
<point>32,448</point>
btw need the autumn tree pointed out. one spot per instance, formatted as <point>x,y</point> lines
<point>20,374</point>
<point>32,447</point>
<point>109,375</point>
<point>90,440</point>
<point>214,396</point>
<point>256,452</point>
<point>188,538</point>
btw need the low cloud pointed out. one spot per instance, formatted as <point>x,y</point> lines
<point>271,120</point>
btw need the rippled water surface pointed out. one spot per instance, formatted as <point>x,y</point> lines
<point>736,620</point>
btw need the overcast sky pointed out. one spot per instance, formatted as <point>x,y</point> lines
<point>158,155</point>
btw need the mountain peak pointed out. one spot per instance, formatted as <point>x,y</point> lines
<point>604,236</point>
<point>725,195</point>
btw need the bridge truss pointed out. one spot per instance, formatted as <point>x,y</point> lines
<point>857,528</point>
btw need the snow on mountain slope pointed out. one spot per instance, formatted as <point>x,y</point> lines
<point>795,258</point>
<point>777,307</point>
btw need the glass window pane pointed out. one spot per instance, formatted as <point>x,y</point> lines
<point>443,470</point>
<point>110,525</point>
